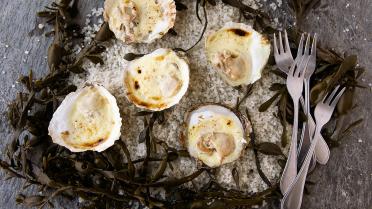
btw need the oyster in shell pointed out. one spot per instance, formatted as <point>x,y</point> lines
<point>157,80</point>
<point>238,53</point>
<point>215,134</point>
<point>87,119</point>
<point>140,21</point>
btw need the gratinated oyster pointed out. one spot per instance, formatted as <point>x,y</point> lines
<point>238,53</point>
<point>215,134</point>
<point>87,119</point>
<point>140,21</point>
<point>157,80</point>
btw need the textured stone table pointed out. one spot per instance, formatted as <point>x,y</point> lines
<point>345,25</point>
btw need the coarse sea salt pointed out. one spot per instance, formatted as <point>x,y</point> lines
<point>205,86</point>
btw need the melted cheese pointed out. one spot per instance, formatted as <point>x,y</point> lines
<point>90,118</point>
<point>149,14</point>
<point>158,80</point>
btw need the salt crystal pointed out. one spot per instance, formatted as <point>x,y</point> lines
<point>4,57</point>
<point>40,26</point>
<point>13,86</point>
<point>279,3</point>
<point>273,6</point>
<point>80,200</point>
<point>3,72</point>
<point>141,150</point>
<point>27,52</point>
<point>121,192</point>
<point>360,141</point>
<point>347,5</point>
<point>7,46</point>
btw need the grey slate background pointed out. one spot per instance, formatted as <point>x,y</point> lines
<point>345,25</point>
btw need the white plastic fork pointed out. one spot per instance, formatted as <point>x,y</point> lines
<point>323,112</point>
<point>295,81</point>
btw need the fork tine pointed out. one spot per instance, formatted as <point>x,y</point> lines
<point>281,43</point>
<point>275,46</point>
<point>335,101</point>
<point>303,71</point>
<point>287,48</point>
<point>298,65</point>
<point>300,46</point>
<point>302,65</point>
<point>313,47</point>
<point>292,69</point>
<point>330,96</point>
<point>307,45</point>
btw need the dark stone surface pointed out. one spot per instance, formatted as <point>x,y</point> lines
<point>345,25</point>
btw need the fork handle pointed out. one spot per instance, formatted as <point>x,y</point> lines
<point>322,151</point>
<point>293,198</point>
<point>290,169</point>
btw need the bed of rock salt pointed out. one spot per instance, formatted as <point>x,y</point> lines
<point>205,86</point>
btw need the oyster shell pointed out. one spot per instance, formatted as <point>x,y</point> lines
<point>87,119</point>
<point>157,80</point>
<point>139,21</point>
<point>238,53</point>
<point>215,134</point>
